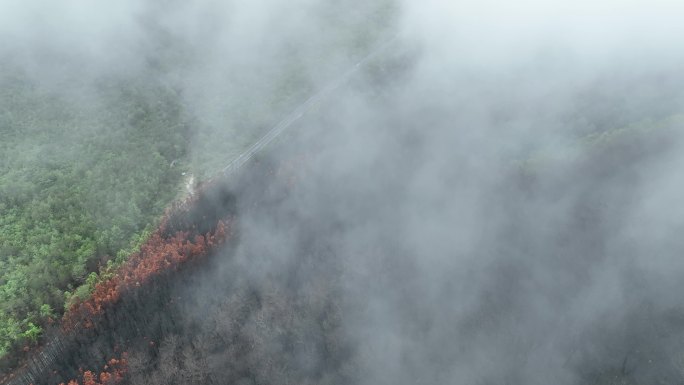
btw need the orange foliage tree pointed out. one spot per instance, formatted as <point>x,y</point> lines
<point>157,255</point>
<point>112,373</point>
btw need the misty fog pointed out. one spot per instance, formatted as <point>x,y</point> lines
<point>494,199</point>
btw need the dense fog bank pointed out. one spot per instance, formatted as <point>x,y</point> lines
<point>495,200</point>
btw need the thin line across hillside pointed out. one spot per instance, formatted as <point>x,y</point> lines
<point>302,109</point>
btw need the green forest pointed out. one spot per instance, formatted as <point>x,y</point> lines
<point>416,193</point>
<point>78,181</point>
<point>89,163</point>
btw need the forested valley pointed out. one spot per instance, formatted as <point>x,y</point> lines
<point>92,155</point>
<point>447,199</point>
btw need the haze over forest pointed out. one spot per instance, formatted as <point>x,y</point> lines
<point>492,197</point>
